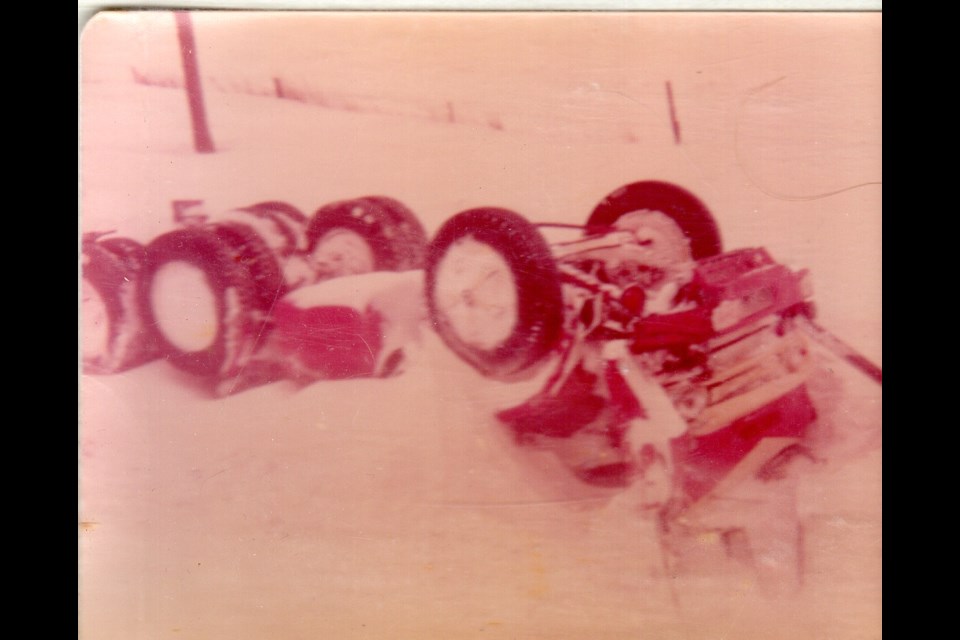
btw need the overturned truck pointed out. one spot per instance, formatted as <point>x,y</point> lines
<point>664,348</point>
<point>666,352</point>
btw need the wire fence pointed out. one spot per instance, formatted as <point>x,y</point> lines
<point>568,120</point>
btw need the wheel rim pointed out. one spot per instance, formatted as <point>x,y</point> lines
<point>95,340</point>
<point>476,294</point>
<point>660,240</point>
<point>342,252</point>
<point>686,209</point>
<point>184,306</point>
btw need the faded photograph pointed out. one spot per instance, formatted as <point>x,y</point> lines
<point>480,325</point>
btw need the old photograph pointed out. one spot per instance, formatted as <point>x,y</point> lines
<point>443,325</point>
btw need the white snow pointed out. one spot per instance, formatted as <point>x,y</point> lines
<point>96,323</point>
<point>476,293</point>
<point>399,507</point>
<point>342,252</point>
<point>185,306</point>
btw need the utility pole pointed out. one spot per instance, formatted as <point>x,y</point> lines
<point>191,74</point>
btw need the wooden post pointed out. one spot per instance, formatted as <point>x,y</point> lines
<point>191,74</point>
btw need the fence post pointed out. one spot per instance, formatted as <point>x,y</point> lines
<point>188,53</point>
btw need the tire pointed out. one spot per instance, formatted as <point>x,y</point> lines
<point>364,235</point>
<point>130,252</point>
<point>690,214</point>
<point>289,220</point>
<point>226,279</point>
<point>114,335</point>
<point>526,311</point>
<point>251,252</point>
<point>409,237</point>
<point>279,208</point>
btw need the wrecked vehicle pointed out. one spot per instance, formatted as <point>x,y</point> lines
<point>211,288</point>
<point>667,352</point>
<point>208,295</point>
<point>115,337</point>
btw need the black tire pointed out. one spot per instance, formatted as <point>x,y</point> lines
<point>111,269</point>
<point>393,234</point>
<point>130,252</point>
<point>408,236</point>
<point>691,215</point>
<point>251,252</point>
<point>290,222</point>
<point>539,301</point>
<point>280,208</point>
<point>238,281</point>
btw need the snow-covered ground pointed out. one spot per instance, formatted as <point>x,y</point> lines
<point>398,508</point>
